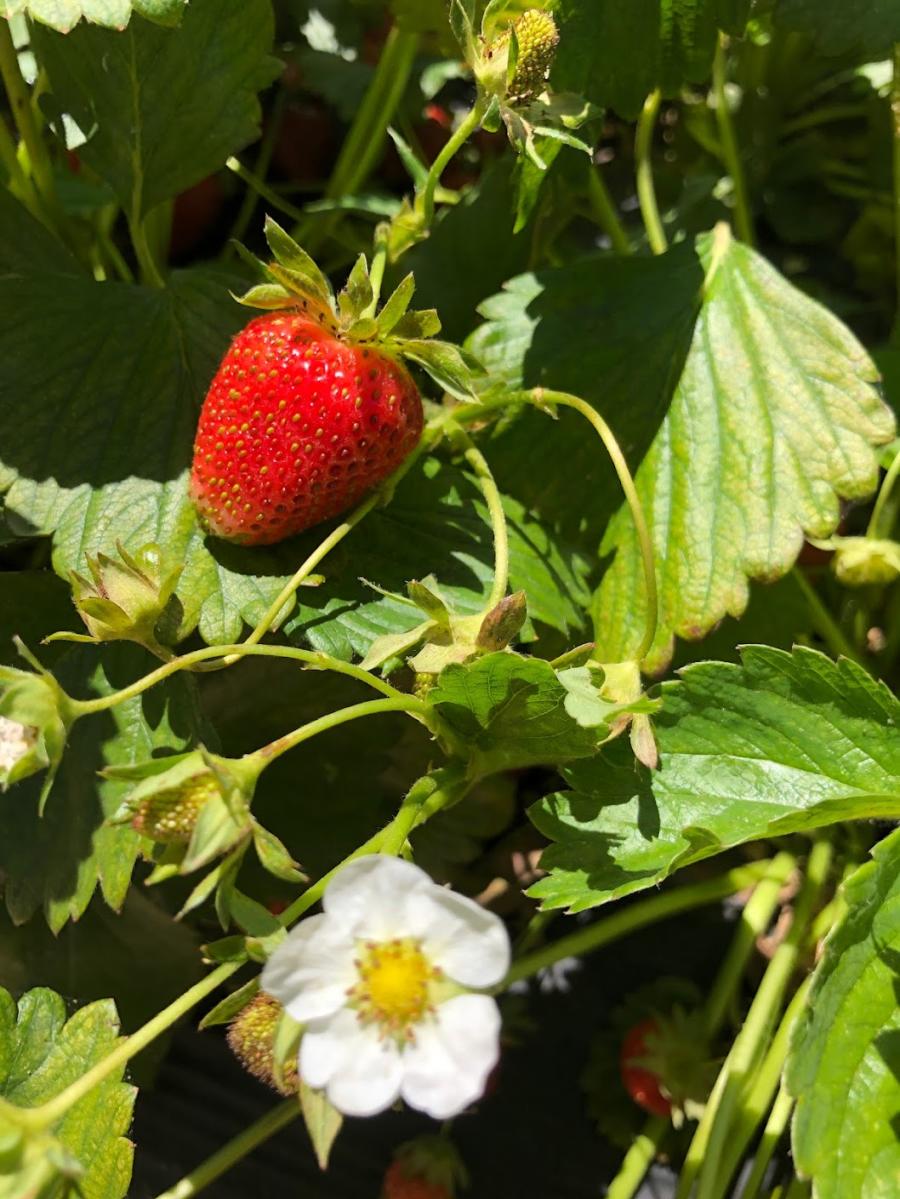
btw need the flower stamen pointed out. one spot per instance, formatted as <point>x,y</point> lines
<point>394,987</point>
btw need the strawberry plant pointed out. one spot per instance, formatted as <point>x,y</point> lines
<point>449,609</point>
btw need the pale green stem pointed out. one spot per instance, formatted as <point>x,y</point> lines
<point>639,915</point>
<point>20,104</point>
<point>312,658</point>
<point>19,183</point>
<point>260,168</point>
<point>706,1148</point>
<point>366,138</point>
<point>455,142</point>
<point>772,1134</point>
<point>415,811</point>
<point>823,622</point>
<point>605,213</point>
<point>874,528</point>
<point>262,189</point>
<point>236,1149</point>
<point>730,152</point>
<point>541,397</point>
<point>491,493</point>
<point>656,235</point>
<point>376,272</point>
<point>895,122</point>
<point>331,720</point>
<point>755,918</point>
<point>150,272</point>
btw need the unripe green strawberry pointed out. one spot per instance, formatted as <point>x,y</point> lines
<point>537,37</point>
<point>170,816</point>
<point>296,427</point>
<point>251,1038</point>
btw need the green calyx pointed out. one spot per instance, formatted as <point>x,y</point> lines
<point>863,561</point>
<point>35,718</point>
<point>294,281</point>
<point>610,694</point>
<point>445,637</point>
<point>195,804</point>
<point>127,598</point>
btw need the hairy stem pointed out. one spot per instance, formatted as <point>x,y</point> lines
<point>236,1149</point>
<point>620,923</point>
<point>455,142</point>
<point>730,152</point>
<point>656,235</point>
<point>604,211</point>
<point>311,658</point>
<point>491,493</point>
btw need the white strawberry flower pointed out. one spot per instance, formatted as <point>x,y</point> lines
<point>381,983</point>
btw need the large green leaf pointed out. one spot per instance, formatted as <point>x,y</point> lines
<point>844,1064</point>
<point>782,743</point>
<point>773,417</point>
<point>163,108</point>
<point>616,53</point>
<point>64,15</point>
<point>504,711</point>
<point>864,28</point>
<point>41,1053</point>
<point>55,861</point>
<point>25,245</point>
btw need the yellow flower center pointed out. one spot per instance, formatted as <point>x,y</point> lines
<point>394,985</point>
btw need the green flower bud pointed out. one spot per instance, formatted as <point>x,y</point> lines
<point>859,561</point>
<point>129,598</point>
<point>251,1038</point>
<point>502,623</point>
<point>34,722</point>
<point>196,799</point>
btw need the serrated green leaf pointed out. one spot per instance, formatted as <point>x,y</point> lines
<point>866,30</point>
<point>842,1067</point>
<point>773,416</point>
<point>163,108</point>
<point>47,1052</point>
<point>782,743</point>
<point>55,862</point>
<point>503,711</point>
<point>323,1121</point>
<point>64,15</point>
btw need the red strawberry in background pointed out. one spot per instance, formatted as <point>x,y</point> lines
<point>642,1083</point>
<point>427,1168</point>
<point>312,406</point>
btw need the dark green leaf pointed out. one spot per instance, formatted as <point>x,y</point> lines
<point>843,1064</point>
<point>503,711</point>
<point>163,108</point>
<point>26,246</point>
<point>41,1053</point>
<point>865,28</point>
<point>782,743</point>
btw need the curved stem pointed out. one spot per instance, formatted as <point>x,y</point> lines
<point>236,1149</point>
<point>656,235</point>
<point>884,494</point>
<point>20,104</point>
<point>455,142</point>
<point>331,720</point>
<point>730,152</point>
<point>620,923</point>
<point>541,397</point>
<point>604,211</point>
<point>491,493</point>
<point>260,167</point>
<point>257,186</point>
<point>150,272</point>
<point>312,658</point>
<point>823,622</point>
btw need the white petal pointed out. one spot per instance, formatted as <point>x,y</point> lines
<point>370,897</point>
<point>447,1066</point>
<point>311,970</point>
<point>360,1073</point>
<point>470,944</point>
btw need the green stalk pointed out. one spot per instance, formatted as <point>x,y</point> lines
<point>313,658</point>
<point>541,397</point>
<point>19,183</point>
<point>874,529</point>
<point>492,498</point>
<point>604,211</point>
<point>621,923</point>
<point>150,272</point>
<point>895,120</point>
<point>730,152</point>
<point>707,1147</point>
<point>656,235</point>
<point>256,185</point>
<point>639,1158</point>
<point>366,138</point>
<point>823,622</point>
<point>260,169</point>
<point>236,1149</point>
<point>20,105</point>
<point>772,1134</point>
<point>455,142</point>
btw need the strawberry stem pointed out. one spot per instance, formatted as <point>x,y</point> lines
<point>491,493</point>
<point>730,152</point>
<point>455,142</point>
<point>20,106</point>
<point>646,191</point>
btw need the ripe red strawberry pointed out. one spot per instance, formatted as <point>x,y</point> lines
<point>311,406</point>
<point>296,427</point>
<point>641,1083</point>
